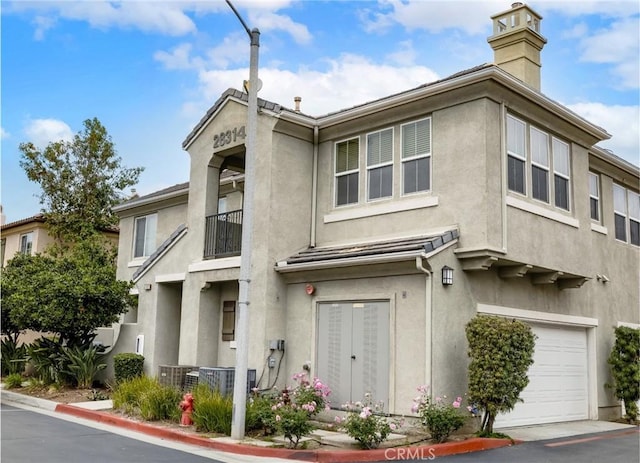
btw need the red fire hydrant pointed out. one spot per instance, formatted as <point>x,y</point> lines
<point>187,409</point>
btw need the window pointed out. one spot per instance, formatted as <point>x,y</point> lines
<point>540,155</point>
<point>539,165</point>
<point>594,196</point>
<point>626,205</point>
<point>145,235</point>
<point>26,243</point>
<point>380,164</point>
<point>347,171</point>
<point>561,172</point>
<point>516,155</point>
<point>416,156</point>
<point>228,320</point>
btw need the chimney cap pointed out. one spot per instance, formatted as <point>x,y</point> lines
<point>517,4</point>
<point>297,100</point>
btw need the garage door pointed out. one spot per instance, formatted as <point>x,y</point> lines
<point>558,380</point>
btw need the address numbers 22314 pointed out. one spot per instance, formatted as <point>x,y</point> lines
<point>230,136</point>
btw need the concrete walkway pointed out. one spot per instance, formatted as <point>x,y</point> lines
<point>557,430</point>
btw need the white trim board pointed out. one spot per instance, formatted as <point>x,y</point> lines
<point>536,316</point>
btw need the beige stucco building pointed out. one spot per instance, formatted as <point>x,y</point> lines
<point>357,213</point>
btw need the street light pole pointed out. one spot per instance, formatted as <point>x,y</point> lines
<point>242,341</point>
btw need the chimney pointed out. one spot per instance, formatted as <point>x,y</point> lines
<point>517,42</point>
<point>297,100</point>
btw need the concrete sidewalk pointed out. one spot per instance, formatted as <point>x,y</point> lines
<point>96,412</point>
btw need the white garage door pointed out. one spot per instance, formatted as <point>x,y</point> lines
<point>558,380</point>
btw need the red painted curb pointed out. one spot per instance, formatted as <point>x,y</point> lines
<point>426,452</point>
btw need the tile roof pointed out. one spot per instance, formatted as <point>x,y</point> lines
<point>401,247</point>
<point>34,218</point>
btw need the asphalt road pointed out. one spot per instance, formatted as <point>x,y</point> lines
<point>609,447</point>
<point>29,435</point>
<point>33,437</point>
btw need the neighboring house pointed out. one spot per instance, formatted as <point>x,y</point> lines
<point>360,213</point>
<point>31,236</point>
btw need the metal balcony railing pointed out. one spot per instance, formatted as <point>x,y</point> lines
<point>223,234</point>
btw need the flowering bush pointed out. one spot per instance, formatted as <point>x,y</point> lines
<point>364,423</point>
<point>293,408</point>
<point>440,417</point>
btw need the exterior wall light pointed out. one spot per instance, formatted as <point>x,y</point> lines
<point>447,276</point>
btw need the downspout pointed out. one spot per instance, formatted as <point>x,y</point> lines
<point>503,173</point>
<point>428,315</point>
<point>314,188</point>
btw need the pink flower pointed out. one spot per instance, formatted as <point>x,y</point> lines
<point>456,404</point>
<point>392,426</point>
<point>365,413</point>
<point>415,408</point>
<point>337,419</point>
<point>458,399</point>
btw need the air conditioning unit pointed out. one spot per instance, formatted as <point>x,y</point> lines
<point>174,375</point>
<point>222,378</point>
<point>191,381</point>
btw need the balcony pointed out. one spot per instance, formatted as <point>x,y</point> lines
<point>223,234</point>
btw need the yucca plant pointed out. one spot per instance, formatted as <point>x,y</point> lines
<point>13,356</point>
<point>14,380</point>
<point>83,364</point>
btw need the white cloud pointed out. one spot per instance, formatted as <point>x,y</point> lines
<point>43,131</point>
<point>433,16</point>
<point>405,55</point>
<point>622,122</point>
<point>618,44</point>
<point>348,81</point>
<point>178,58</point>
<point>269,21</point>
<point>43,24</point>
<point>4,134</point>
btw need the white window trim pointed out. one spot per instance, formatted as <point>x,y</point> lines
<point>381,209</point>
<point>597,198</point>
<point>544,167</point>
<point>215,264</point>
<point>542,211</point>
<point>427,155</point>
<point>145,254</point>
<point>599,228</point>
<point>30,235</point>
<point>380,165</point>
<point>561,174</point>
<point>346,172</point>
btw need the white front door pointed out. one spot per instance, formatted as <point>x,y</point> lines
<point>558,379</point>
<point>353,350</point>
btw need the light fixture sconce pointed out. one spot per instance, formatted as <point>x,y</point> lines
<point>447,276</point>
<point>147,287</point>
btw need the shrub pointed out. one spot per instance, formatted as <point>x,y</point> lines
<point>82,364</point>
<point>14,380</point>
<point>260,415</point>
<point>46,356</point>
<point>160,403</point>
<point>440,417</point>
<point>625,368</point>
<point>127,366</point>
<point>212,411</point>
<point>128,395</point>
<point>501,352</point>
<point>13,356</point>
<point>365,424</point>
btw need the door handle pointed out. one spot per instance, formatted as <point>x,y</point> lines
<point>353,357</point>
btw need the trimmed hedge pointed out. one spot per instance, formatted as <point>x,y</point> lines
<point>127,366</point>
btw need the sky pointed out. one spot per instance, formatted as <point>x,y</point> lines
<point>149,70</point>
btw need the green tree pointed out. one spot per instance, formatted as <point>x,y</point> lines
<point>501,352</point>
<point>81,180</point>
<point>70,294</point>
<point>625,368</point>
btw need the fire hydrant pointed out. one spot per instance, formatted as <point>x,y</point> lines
<point>187,409</point>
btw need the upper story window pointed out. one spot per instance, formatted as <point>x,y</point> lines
<point>531,157</point>
<point>416,156</point>
<point>26,243</point>
<point>626,213</point>
<point>380,164</point>
<point>347,171</point>
<point>145,235</point>
<point>594,196</point>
